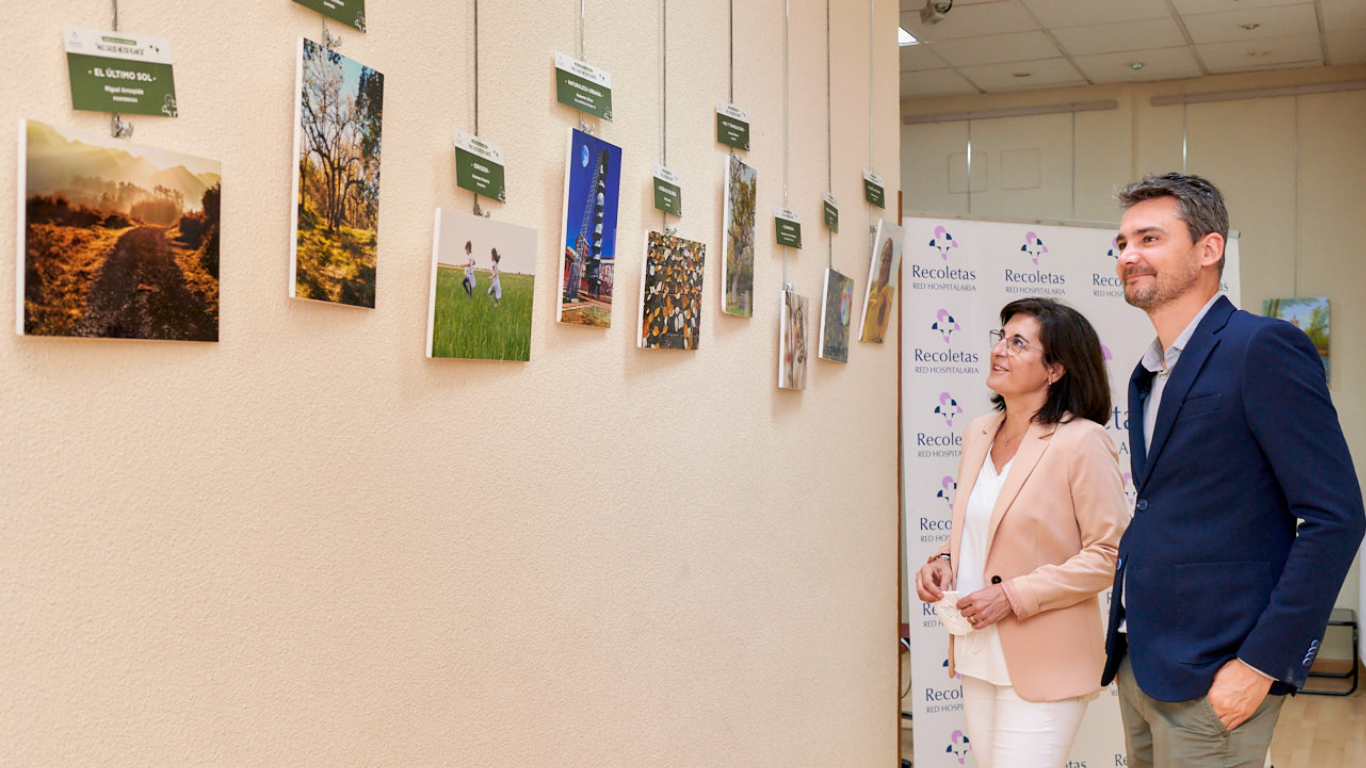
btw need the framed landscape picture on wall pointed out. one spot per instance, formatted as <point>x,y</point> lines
<point>338,117</point>
<point>117,240</point>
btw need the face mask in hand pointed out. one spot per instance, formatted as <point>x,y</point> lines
<point>947,608</point>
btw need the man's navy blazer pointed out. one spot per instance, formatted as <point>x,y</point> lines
<point>1247,444</point>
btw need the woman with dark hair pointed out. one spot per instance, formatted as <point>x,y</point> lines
<point>1036,525</point>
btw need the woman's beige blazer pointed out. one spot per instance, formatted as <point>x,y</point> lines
<point>1052,543</point>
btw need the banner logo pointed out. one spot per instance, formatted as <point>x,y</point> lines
<point>959,747</point>
<point>943,242</point>
<point>944,323</point>
<point>948,408</point>
<point>1033,245</point>
<point>947,486</point>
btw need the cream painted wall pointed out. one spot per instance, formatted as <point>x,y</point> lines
<point>1291,168</point>
<point>308,545</point>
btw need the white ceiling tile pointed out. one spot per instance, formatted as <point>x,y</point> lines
<point>1120,36</point>
<point>934,82</point>
<point>971,20</point>
<point>1343,15</point>
<point>995,49</point>
<point>915,58</point>
<point>1261,54</point>
<point>1185,7</point>
<point>1059,13</point>
<point>1346,48</point>
<point>1227,26</point>
<point>1048,73</point>
<point>1161,64</point>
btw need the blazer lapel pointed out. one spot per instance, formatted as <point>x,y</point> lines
<point>975,448</point>
<point>1179,381</point>
<point>1026,458</point>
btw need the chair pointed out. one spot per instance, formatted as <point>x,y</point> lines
<point>1342,617</point>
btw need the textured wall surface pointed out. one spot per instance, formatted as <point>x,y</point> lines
<point>309,545</point>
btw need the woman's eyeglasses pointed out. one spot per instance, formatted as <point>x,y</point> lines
<point>1015,345</point>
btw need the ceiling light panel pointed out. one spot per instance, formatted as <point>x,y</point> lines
<point>1049,73</point>
<point>995,49</point>
<point>1120,36</point>
<point>1065,13</point>
<point>1163,64</point>
<point>1243,56</point>
<point>1186,7</point>
<point>1286,21</point>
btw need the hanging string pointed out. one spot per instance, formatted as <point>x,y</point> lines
<point>872,25</point>
<point>582,45</point>
<point>117,126</point>
<point>829,135</point>
<point>477,210</point>
<point>476,67</point>
<point>664,98</point>
<point>787,137</point>
<point>732,52</point>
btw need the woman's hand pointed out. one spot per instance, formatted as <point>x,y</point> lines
<point>985,606</point>
<point>932,579</point>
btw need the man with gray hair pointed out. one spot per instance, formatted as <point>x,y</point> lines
<point>1248,510</point>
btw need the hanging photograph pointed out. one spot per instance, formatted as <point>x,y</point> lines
<point>1309,314</point>
<point>119,240</point>
<point>670,293</point>
<point>837,307</point>
<point>592,188</point>
<point>483,280</point>
<point>737,246</point>
<point>882,274</point>
<point>792,337</point>
<point>338,113</point>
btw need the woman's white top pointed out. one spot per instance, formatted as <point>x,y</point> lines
<point>978,653</point>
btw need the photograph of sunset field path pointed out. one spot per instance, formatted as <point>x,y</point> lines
<point>120,240</point>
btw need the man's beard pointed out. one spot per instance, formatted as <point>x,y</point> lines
<point>1161,290</point>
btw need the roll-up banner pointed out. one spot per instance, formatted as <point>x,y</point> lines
<point>957,275</point>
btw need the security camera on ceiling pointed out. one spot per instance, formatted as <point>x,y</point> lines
<point>935,11</point>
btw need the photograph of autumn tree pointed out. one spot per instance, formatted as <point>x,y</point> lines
<point>738,244</point>
<point>120,240</point>
<point>339,113</point>
<point>671,293</point>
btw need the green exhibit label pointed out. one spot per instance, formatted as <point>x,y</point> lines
<point>832,212</point>
<point>787,225</point>
<point>732,126</point>
<point>479,166</point>
<point>873,189</point>
<point>583,86</point>
<point>119,72</point>
<point>348,12</point>
<point>668,191</point>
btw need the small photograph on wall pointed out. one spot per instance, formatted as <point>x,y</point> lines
<point>882,274</point>
<point>792,336</point>
<point>670,293</point>
<point>737,245</point>
<point>118,240</point>
<point>837,309</point>
<point>1310,315</point>
<point>338,113</point>
<point>483,281</point>
<point>592,189</point>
